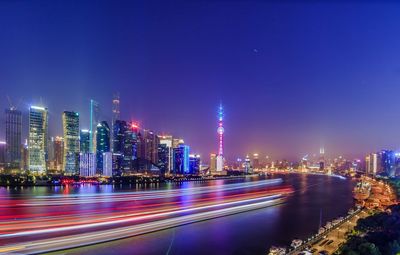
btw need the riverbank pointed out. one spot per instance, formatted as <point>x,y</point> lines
<point>379,233</point>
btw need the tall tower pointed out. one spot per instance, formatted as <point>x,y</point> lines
<point>220,131</point>
<point>322,158</point>
<point>115,116</point>
<point>94,120</point>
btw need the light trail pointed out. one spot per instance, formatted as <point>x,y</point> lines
<point>48,223</point>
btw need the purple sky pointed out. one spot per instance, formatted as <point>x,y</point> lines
<point>292,76</point>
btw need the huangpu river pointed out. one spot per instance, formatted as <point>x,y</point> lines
<point>297,215</point>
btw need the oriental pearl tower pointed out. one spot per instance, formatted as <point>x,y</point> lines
<point>220,131</point>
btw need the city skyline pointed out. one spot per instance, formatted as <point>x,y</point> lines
<point>307,84</point>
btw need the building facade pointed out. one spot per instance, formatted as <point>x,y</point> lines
<point>181,160</point>
<point>13,137</point>
<point>102,144</point>
<point>38,124</point>
<point>71,142</point>
<point>87,164</point>
<point>84,141</point>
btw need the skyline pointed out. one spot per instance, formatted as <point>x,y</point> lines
<point>292,78</point>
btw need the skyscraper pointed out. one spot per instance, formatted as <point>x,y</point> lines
<point>94,120</point>
<point>107,164</point>
<point>59,153</point>
<point>71,142</point>
<point>130,148</point>
<point>38,122</point>
<point>371,163</point>
<point>102,144</point>
<point>151,142</point>
<point>115,116</point>
<point>13,137</point>
<point>3,146</point>
<point>194,164</point>
<point>84,141</point>
<point>220,131</point>
<point>213,162</point>
<point>87,164</point>
<point>165,153</point>
<point>388,162</point>
<point>181,160</point>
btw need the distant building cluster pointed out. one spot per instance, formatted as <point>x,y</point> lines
<point>385,162</point>
<point>120,149</point>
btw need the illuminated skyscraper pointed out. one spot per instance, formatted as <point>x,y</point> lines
<point>38,122</point>
<point>371,163</point>
<point>115,116</point>
<point>322,159</point>
<point>107,164</point>
<point>13,137</point>
<point>220,130</point>
<point>130,144</point>
<point>2,154</point>
<point>194,164</point>
<point>58,153</point>
<point>85,141</point>
<point>181,160</point>
<point>71,142</point>
<point>213,162</point>
<point>102,144</point>
<point>151,142</point>
<point>87,164</point>
<point>165,153</point>
<point>94,120</point>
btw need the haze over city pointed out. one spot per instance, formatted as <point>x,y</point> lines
<point>292,77</point>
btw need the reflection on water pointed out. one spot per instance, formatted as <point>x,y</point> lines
<point>245,233</point>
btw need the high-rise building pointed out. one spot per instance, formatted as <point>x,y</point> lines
<point>388,162</point>
<point>256,161</point>
<point>194,164</point>
<point>213,162</point>
<point>102,144</point>
<point>87,164</point>
<point>84,141</point>
<point>371,163</point>
<point>94,121</point>
<point>176,142</point>
<point>181,160</point>
<point>71,142</point>
<point>118,134</point>
<point>119,129</point>
<point>38,123</point>
<point>220,131</point>
<point>3,146</point>
<point>115,116</point>
<point>322,159</point>
<point>25,156</point>
<point>165,154</point>
<point>247,165</point>
<point>151,142</point>
<point>59,153</point>
<point>13,137</point>
<point>130,148</point>
<point>107,164</point>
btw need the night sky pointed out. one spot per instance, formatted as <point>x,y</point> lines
<point>292,76</point>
